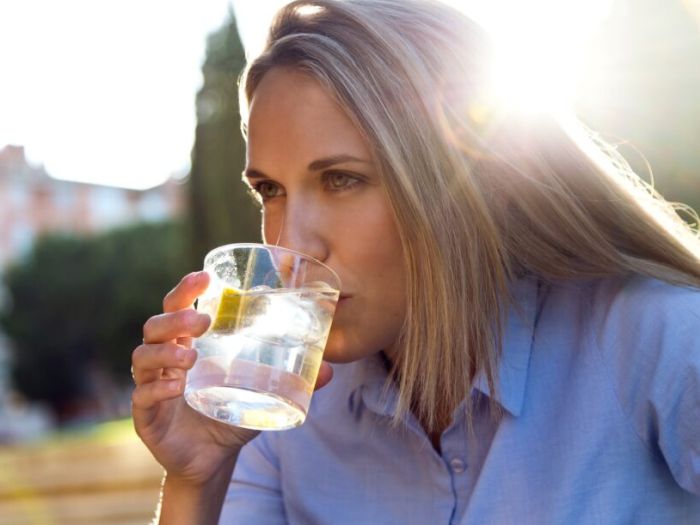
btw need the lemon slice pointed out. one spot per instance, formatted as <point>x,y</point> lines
<point>229,311</point>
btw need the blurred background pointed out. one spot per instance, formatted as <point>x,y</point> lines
<point>120,163</point>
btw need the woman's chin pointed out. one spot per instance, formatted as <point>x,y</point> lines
<point>339,350</point>
<point>338,356</point>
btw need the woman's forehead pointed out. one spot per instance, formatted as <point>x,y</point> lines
<point>285,86</point>
<point>292,115</point>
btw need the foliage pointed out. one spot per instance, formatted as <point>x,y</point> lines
<point>221,211</point>
<point>80,303</point>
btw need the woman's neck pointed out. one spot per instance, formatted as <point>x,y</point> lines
<point>443,413</point>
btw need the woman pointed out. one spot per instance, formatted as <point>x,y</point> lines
<point>515,340</point>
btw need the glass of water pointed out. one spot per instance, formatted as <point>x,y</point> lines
<point>271,311</point>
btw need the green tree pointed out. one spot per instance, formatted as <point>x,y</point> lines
<point>76,304</point>
<point>221,211</point>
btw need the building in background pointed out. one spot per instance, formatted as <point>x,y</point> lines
<point>32,203</point>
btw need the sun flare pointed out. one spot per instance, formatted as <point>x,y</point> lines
<point>539,48</point>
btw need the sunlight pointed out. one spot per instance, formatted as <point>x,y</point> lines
<point>90,104</point>
<point>539,46</point>
<point>104,91</point>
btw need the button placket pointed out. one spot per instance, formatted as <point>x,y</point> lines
<point>457,465</point>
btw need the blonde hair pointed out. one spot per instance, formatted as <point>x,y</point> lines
<point>478,202</point>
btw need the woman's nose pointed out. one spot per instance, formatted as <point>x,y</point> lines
<point>302,229</point>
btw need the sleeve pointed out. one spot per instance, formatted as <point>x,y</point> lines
<point>674,402</point>
<point>656,345</point>
<point>254,494</point>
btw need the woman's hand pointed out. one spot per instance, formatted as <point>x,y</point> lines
<point>190,446</point>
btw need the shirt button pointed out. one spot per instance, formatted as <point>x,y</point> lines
<point>457,465</point>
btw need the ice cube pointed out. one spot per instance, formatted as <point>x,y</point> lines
<point>283,318</point>
<point>302,323</point>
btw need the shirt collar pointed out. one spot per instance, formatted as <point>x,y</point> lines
<point>368,384</point>
<point>368,381</point>
<point>517,346</point>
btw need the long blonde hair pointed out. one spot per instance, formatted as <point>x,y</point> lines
<point>479,201</point>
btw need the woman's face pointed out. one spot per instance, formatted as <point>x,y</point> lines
<point>322,196</point>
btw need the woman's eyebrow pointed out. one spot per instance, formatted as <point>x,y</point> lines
<point>250,173</point>
<point>316,165</point>
<point>327,162</point>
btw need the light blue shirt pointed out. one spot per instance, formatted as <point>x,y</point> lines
<point>600,386</point>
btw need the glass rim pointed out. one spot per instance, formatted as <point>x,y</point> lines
<point>259,245</point>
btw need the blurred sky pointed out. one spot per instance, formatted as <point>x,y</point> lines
<point>104,91</point>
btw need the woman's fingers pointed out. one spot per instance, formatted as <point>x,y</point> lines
<point>179,324</point>
<point>149,360</point>
<point>147,395</point>
<point>186,292</point>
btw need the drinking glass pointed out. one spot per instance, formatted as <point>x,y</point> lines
<point>271,311</point>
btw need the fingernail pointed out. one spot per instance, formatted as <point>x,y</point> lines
<point>181,353</point>
<point>174,385</point>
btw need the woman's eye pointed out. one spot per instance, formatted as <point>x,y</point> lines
<point>267,190</point>
<point>337,180</point>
